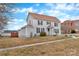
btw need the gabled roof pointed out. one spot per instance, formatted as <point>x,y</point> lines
<point>76,20</point>
<point>70,21</point>
<point>44,17</point>
<point>28,25</point>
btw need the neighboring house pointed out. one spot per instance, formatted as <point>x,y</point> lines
<point>10,33</point>
<point>37,23</point>
<point>69,25</point>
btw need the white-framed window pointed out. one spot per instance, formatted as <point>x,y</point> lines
<point>40,22</point>
<point>55,24</point>
<point>56,30</point>
<point>42,29</point>
<point>37,30</point>
<point>48,22</point>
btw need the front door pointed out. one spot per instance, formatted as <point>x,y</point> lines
<point>48,29</point>
<point>31,34</point>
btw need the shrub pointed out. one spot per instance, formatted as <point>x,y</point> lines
<point>43,34</point>
<point>73,31</point>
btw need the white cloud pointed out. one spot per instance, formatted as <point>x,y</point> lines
<point>18,10</point>
<point>64,6</point>
<point>21,10</point>
<point>15,10</point>
<point>68,17</point>
<point>41,12</point>
<point>15,21</point>
<point>61,6</point>
<point>77,5</point>
<point>56,13</point>
<point>9,22</point>
<point>49,4</point>
<point>75,18</point>
<point>37,4</point>
<point>31,9</point>
<point>16,24</point>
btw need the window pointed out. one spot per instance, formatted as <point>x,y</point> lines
<point>48,22</point>
<point>40,22</point>
<point>42,29</point>
<point>56,30</point>
<point>55,24</point>
<point>38,30</point>
<point>71,24</point>
<point>48,29</point>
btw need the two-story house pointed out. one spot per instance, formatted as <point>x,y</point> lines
<point>37,23</point>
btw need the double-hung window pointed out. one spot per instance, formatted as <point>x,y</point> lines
<point>40,22</point>
<point>48,22</point>
<point>55,24</point>
<point>38,30</point>
<point>42,29</point>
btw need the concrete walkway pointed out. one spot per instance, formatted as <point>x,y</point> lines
<point>35,44</point>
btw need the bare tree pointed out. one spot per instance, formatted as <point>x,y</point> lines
<point>4,15</point>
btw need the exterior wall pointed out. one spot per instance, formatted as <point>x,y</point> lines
<point>6,34</point>
<point>10,34</point>
<point>34,23</point>
<point>22,32</point>
<point>29,32</point>
<point>14,34</point>
<point>76,26</point>
<point>68,26</point>
<point>59,27</point>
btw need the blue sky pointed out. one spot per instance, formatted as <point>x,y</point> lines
<point>63,11</point>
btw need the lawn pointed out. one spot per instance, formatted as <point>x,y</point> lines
<point>63,48</point>
<point>6,42</point>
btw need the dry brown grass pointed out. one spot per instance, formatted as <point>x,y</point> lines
<point>65,48</point>
<point>11,42</point>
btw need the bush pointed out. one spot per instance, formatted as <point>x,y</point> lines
<point>43,34</point>
<point>73,31</point>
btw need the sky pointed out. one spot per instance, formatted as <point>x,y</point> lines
<point>63,11</point>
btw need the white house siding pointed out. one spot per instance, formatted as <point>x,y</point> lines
<point>28,31</point>
<point>59,26</point>
<point>22,32</point>
<point>34,22</point>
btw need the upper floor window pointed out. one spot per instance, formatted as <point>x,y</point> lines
<point>40,22</point>
<point>71,24</point>
<point>55,24</point>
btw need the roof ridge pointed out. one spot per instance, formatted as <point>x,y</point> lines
<point>44,17</point>
<point>40,14</point>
